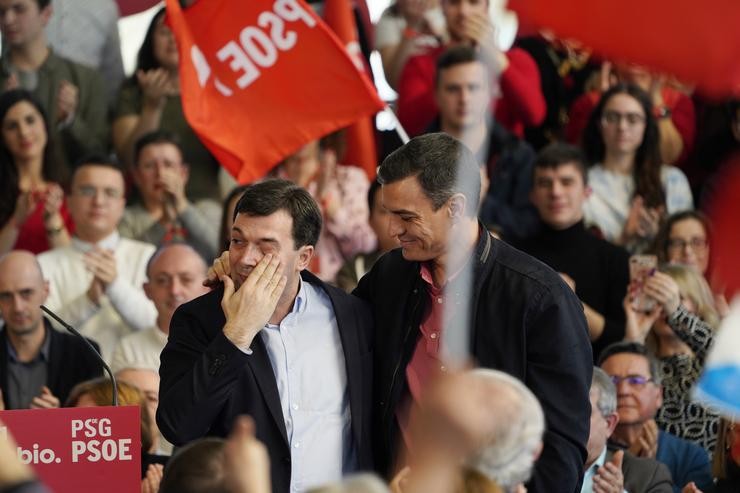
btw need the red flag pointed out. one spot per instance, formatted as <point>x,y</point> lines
<point>361,148</point>
<point>260,78</point>
<point>697,42</point>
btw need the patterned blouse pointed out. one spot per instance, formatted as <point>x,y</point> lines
<point>679,415</point>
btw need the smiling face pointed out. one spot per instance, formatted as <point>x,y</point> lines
<point>635,403</point>
<point>253,237</point>
<point>622,124</point>
<point>24,132</point>
<point>558,194</point>
<point>421,231</point>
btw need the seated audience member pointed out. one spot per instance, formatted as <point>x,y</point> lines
<point>96,281</point>
<point>175,275</point>
<point>15,476</point>
<point>679,331</point>
<point>407,28</point>
<point>354,269</point>
<point>684,238</point>
<point>607,470</point>
<point>97,45</point>
<point>72,95</point>
<point>726,461</point>
<point>38,365</point>
<point>468,23</point>
<point>463,92</point>
<point>631,189</point>
<point>150,100</point>
<point>341,193</point>
<point>99,392</point>
<point>595,269</point>
<point>239,464</point>
<point>673,111</point>
<point>639,396</point>
<point>458,446</point>
<point>227,216</point>
<point>33,212</point>
<point>164,213</point>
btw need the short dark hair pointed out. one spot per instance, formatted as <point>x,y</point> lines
<point>629,347</point>
<point>267,197</point>
<point>458,55</point>
<point>557,154</point>
<point>43,3</point>
<point>99,160</point>
<point>371,193</point>
<point>156,137</point>
<point>196,468</point>
<point>443,165</point>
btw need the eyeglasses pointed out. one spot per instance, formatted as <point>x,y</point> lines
<point>88,191</point>
<point>632,380</point>
<point>610,117</point>
<point>696,243</point>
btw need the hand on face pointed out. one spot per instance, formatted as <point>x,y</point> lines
<point>173,185</point>
<point>248,308</point>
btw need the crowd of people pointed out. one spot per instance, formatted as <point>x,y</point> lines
<point>318,301</point>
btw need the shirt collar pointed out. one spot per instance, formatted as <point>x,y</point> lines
<point>110,242</point>
<point>301,300</point>
<point>43,354</point>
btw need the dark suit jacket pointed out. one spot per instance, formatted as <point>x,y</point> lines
<point>70,362</point>
<point>206,381</point>
<point>644,475</point>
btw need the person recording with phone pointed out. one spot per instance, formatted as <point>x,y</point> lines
<point>679,330</point>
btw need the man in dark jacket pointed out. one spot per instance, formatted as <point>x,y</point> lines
<point>38,365</point>
<point>523,319</point>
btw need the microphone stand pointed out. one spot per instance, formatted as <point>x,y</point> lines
<point>92,348</point>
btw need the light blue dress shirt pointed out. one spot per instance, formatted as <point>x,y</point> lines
<point>588,478</point>
<point>308,361</point>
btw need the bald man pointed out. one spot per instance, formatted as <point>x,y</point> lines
<point>38,365</point>
<point>175,275</point>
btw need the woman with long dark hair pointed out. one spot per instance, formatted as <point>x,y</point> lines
<point>33,214</point>
<point>150,100</point>
<point>631,189</point>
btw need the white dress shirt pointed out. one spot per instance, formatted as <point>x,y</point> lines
<point>124,307</point>
<point>308,361</point>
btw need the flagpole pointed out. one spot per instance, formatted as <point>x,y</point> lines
<point>399,128</point>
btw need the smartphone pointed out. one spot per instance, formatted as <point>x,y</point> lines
<point>642,267</point>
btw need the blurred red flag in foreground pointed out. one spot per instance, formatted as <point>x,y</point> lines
<point>360,136</point>
<point>698,42</point>
<point>259,79</point>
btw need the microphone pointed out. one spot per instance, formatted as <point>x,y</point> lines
<point>92,348</point>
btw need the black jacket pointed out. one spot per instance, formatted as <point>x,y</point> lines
<point>525,321</point>
<point>70,362</point>
<point>206,381</point>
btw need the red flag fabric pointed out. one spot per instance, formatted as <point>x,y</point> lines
<point>261,78</point>
<point>361,149</point>
<point>131,7</point>
<point>697,42</point>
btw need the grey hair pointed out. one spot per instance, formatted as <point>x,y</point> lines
<point>607,401</point>
<point>356,483</point>
<point>509,454</point>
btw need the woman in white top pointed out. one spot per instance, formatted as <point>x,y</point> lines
<point>631,190</point>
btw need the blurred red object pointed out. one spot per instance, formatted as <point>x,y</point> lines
<point>696,42</point>
<point>130,7</point>
<point>724,210</point>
